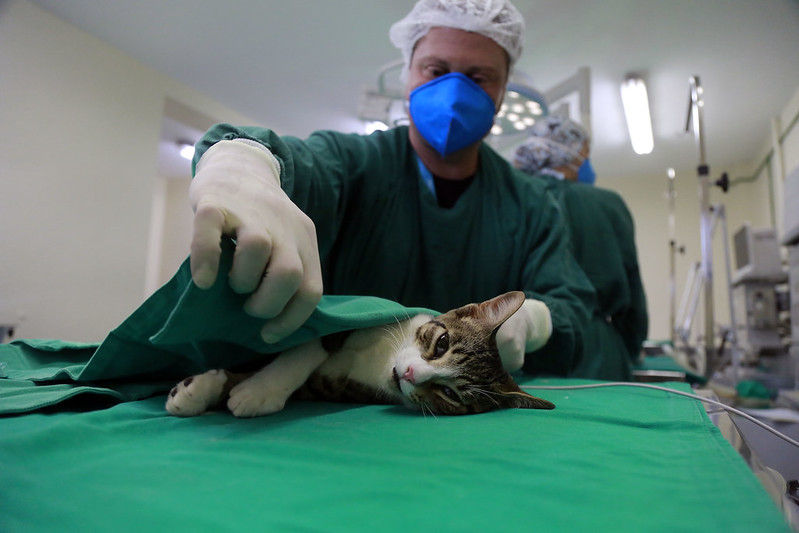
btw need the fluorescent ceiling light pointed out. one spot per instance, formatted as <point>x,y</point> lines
<point>636,110</point>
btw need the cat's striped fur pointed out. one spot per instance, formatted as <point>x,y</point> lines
<point>447,364</point>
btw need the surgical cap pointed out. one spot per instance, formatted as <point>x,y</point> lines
<point>498,20</point>
<point>554,142</point>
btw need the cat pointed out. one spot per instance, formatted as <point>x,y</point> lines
<point>448,364</point>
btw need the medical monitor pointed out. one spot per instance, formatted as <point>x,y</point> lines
<point>757,255</point>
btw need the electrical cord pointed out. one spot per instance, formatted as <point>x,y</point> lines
<point>733,410</point>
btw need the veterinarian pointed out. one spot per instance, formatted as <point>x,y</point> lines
<point>602,235</point>
<point>426,214</point>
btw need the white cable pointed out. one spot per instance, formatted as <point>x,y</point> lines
<point>733,410</point>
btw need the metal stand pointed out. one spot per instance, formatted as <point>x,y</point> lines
<point>673,249</point>
<point>690,302</point>
<point>695,119</point>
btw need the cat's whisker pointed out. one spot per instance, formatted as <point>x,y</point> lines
<point>425,407</point>
<point>395,335</point>
<point>430,409</point>
<point>421,406</point>
<point>487,394</point>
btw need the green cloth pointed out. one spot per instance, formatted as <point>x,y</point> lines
<point>179,331</point>
<point>381,231</point>
<point>605,460</point>
<point>755,389</point>
<point>668,364</point>
<point>602,235</point>
<point>100,453</point>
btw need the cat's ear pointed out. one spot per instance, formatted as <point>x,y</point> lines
<point>497,310</point>
<point>512,397</point>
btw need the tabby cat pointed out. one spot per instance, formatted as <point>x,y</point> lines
<point>447,364</point>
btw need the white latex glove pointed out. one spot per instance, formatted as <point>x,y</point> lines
<point>236,192</point>
<point>527,330</point>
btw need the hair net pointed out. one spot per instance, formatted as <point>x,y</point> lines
<point>496,19</point>
<point>554,142</point>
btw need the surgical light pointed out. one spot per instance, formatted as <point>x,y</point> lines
<point>375,125</point>
<point>186,150</point>
<point>522,106</point>
<point>636,110</point>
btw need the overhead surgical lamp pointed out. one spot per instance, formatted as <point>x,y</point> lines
<point>520,109</point>
<point>186,150</point>
<point>375,125</point>
<point>636,110</point>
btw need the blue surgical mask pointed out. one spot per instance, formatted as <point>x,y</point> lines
<point>586,174</point>
<point>451,112</point>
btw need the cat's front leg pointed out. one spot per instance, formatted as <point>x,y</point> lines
<point>266,391</point>
<point>196,394</point>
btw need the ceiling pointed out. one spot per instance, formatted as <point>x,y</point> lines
<point>300,65</point>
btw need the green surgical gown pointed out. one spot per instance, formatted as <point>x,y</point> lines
<point>602,234</point>
<point>382,233</point>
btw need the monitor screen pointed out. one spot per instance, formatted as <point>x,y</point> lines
<point>741,242</point>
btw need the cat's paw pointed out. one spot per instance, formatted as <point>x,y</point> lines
<point>195,395</point>
<point>251,398</point>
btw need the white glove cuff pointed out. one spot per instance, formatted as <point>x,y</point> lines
<point>539,321</point>
<point>244,153</point>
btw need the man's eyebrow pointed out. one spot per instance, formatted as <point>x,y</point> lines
<point>432,58</point>
<point>483,69</point>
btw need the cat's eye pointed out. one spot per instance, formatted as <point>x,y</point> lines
<point>442,345</point>
<point>451,394</point>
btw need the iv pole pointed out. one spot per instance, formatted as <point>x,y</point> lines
<point>672,259</point>
<point>695,118</point>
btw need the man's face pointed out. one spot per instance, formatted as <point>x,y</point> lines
<point>445,50</point>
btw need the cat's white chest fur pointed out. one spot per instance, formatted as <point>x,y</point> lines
<point>370,356</point>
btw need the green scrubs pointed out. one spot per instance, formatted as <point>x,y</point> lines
<point>602,234</point>
<point>382,233</point>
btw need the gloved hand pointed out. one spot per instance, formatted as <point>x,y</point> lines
<point>527,330</point>
<point>236,192</point>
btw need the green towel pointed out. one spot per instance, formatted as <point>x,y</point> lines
<point>606,460</point>
<point>179,331</point>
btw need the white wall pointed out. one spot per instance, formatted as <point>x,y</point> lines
<point>178,221</point>
<point>790,144</point>
<point>748,200</point>
<point>78,169</point>
<point>78,146</point>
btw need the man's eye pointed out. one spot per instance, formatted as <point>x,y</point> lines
<point>442,345</point>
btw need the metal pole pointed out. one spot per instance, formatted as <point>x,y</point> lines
<point>721,214</point>
<point>672,260</point>
<point>697,281</point>
<point>697,106</point>
<point>688,303</point>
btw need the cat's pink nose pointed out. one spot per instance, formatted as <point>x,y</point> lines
<point>408,375</point>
